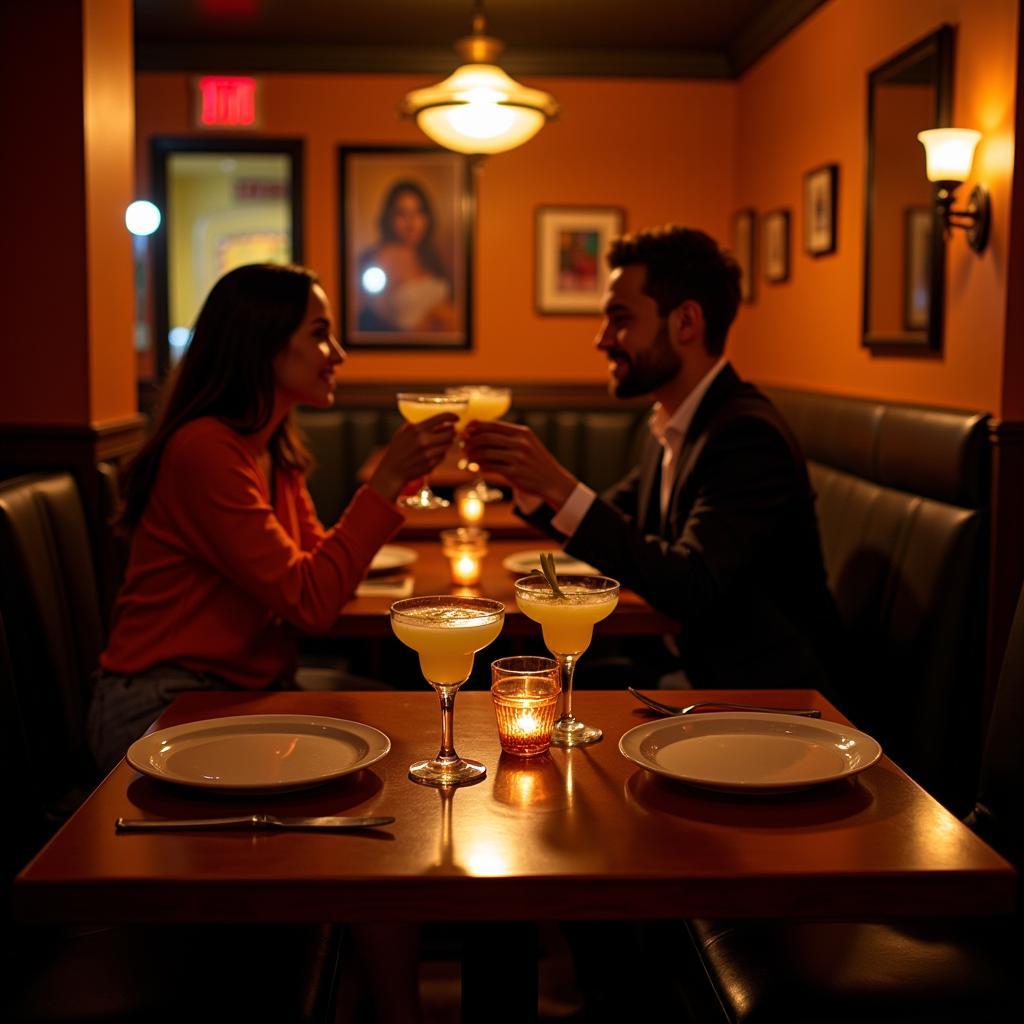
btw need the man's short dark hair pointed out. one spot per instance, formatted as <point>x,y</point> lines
<point>682,264</point>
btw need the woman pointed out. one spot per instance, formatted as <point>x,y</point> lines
<point>402,280</point>
<point>227,558</point>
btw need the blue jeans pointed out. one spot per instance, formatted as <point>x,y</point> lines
<point>124,707</point>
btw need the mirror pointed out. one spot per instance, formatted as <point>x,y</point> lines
<point>904,252</point>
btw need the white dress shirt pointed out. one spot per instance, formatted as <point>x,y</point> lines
<point>669,433</point>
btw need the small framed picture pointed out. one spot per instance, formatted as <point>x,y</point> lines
<point>820,188</point>
<point>918,234</point>
<point>775,246</point>
<point>406,226</point>
<point>743,229</point>
<point>571,242</point>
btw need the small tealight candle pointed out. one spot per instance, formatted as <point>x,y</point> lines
<point>525,692</point>
<point>470,506</point>
<point>466,570</point>
<point>465,549</point>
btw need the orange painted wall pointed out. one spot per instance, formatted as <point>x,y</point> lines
<point>804,104</point>
<point>664,151</point>
<point>109,119</point>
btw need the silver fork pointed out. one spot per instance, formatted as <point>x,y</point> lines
<point>671,709</point>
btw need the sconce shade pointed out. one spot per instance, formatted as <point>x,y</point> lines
<point>479,109</point>
<point>949,152</point>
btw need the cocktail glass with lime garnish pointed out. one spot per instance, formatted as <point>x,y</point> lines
<point>567,618</point>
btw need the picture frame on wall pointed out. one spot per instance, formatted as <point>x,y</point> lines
<point>570,247</point>
<point>775,246</point>
<point>744,226</point>
<point>820,195</point>
<point>406,224</point>
<point>918,246</point>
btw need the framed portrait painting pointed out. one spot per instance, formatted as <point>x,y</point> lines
<point>571,242</point>
<point>743,229</point>
<point>775,246</point>
<point>820,187</point>
<point>406,227</point>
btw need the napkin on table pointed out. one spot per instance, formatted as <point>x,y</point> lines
<point>385,586</point>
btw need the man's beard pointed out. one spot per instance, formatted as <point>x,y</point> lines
<point>649,369</point>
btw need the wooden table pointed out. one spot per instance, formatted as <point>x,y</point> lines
<point>580,834</point>
<point>368,616</point>
<point>499,520</point>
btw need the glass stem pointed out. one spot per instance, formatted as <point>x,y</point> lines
<point>567,667</point>
<point>447,755</point>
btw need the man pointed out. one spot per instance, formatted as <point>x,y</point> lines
<point>716,526</point>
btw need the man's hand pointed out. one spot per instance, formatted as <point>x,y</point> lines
<point>413,452</point>
<point>515,452</point>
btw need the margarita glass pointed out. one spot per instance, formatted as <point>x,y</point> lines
<point>567,623</point>
<point>485,403</point>
<point>446,632</point>
<point>416,407</point>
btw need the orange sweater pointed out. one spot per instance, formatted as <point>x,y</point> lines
<point>219,579</point>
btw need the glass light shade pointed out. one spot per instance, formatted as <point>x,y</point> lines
<point>949,152</point>
<point>142,217</point>
<point>480,109</point>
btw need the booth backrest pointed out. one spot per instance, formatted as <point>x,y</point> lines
<point>597,443</point>
<point>48,600</point>
<point>902,495</point>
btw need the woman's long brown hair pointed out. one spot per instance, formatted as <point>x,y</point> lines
<point>227,372</point>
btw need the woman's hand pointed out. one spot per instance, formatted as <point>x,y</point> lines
<point>515,452</point>
<point>413,452</point>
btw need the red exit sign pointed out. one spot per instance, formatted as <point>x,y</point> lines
<point>227,101</point>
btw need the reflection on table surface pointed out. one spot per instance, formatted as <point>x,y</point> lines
<point>431,573</point>
<point>576,834</point>
<point>499,520</point>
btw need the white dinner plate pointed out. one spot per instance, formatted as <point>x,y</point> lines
<point>522,562</point>
<point>750,752</point>
<point>258,753</point>
<point>391,557</point>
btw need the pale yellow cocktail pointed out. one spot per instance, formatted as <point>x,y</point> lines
<point>446,638</point>
<point>484,403</point>
<point>488,403</point>
<point>446,632</point>
<point>567,623</point>
<point>415,407</point>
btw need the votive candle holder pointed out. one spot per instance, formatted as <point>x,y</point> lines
<point>525,690</point>
<point>465,548</point>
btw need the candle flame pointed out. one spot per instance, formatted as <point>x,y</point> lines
<point>466,569</point>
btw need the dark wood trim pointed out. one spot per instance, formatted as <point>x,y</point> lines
<point>1006,563</point>
<point>769,26</point>
<point>773,21</point>
<point>437,61</point>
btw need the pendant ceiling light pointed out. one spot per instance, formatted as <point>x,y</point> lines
<point>479,108</point>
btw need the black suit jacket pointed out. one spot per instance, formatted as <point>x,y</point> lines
<point>737,561</point>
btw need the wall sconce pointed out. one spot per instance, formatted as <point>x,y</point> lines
<point>479,108</point>
<point>949,153</point>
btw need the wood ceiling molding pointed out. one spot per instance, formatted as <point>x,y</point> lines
<point>195,45</point>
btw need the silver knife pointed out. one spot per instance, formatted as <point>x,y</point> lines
<point>250,821</point>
